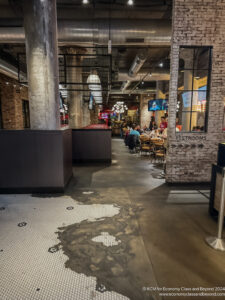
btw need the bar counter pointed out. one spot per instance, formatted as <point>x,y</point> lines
<point>92,144</point>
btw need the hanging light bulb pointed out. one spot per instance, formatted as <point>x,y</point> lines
<point>130,2</point>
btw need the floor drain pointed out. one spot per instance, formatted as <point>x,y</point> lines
<point>70,208</point>
<point>101,288</point>
<point>22,224</point>
<point>53,249</point>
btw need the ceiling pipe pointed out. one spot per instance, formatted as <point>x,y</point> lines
<point>138,62</point>
<point>129,92</point>
<point>125,85</point>
<point>10,71</point>
<point>86,32</point>
<point>152,76</point>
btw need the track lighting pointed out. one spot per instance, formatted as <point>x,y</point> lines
<point>130,2</point>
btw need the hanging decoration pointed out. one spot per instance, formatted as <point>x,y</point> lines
<point>119,107</point>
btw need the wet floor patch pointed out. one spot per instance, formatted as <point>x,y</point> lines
<point>116,266</point>
<point>32,261</point>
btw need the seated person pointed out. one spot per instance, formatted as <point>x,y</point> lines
<point>163,124</point>
<point>145,128</point>
<point>154,133</point>
<point>134,131</point>
<point>153,124</point>
<point>164,134</point>
<point>138,128</point>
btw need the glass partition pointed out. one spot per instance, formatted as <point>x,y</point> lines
<point>193,88</point>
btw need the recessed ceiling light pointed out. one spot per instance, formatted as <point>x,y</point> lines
<point>85,1</point>
<point>130,2</point>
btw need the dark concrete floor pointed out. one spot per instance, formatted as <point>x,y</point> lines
<point>162,244</point>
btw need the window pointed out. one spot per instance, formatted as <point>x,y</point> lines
<point>193,88</point>
<point>26,114</point>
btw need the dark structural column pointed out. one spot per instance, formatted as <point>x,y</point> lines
<point>40,23</point>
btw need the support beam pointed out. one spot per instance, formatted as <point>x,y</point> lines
<point>40,23</point>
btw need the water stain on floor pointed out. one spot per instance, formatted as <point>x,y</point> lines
<point>121,268</point>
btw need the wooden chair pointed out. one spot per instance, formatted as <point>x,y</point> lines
<point>146,145</point>
<point>159,150</point>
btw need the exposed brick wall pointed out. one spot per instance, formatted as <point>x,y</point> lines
<point>11,100</point>
<point>197,23</point>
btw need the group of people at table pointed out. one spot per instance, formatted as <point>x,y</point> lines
<point>153,131</point>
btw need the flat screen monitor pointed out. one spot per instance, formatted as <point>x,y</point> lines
<point>158,104</point>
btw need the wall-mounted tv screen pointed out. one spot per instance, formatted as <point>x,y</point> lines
<point>158,104</point>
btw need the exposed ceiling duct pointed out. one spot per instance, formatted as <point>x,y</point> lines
<point>155,75</point>
<point>122,32</point>
<point>125,85</point>
<point>128,92</point>
<point>10,71</point>
<point>137,64</point>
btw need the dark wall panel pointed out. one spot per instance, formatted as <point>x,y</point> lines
<point>67,155</point>
<point>33,159</point>
<point>91,145</point>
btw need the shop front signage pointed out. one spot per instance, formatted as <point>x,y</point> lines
<point>190,137</point>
